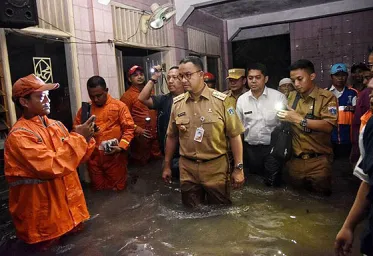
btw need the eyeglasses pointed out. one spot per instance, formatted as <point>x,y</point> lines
<point>187,76</point>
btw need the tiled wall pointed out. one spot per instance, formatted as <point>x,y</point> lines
<point>325,41</point>
<point>93,23</point>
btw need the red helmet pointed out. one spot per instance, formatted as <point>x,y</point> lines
<point>208,77</point>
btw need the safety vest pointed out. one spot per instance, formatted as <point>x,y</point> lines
<point>342,133</point>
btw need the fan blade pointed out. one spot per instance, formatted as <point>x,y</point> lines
<point>169,14</point>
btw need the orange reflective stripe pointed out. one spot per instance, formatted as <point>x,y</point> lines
<point>345,117</point>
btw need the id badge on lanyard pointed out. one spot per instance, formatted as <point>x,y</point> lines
<point>198,136</point>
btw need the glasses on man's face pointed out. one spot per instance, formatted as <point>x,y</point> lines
<point>187,76</point>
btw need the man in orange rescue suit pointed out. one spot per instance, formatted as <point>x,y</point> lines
<point>203,120</point>
<point>107,166</point>
<point>145,144</point>
<point>46,199</point>
<point>312,121</point>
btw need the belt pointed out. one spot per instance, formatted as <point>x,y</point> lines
<point>306,156</point>
<point>201,160</point>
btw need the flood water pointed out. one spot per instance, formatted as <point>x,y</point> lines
<point>149,219</point>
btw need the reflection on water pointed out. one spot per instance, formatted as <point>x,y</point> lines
<point>148,219</point>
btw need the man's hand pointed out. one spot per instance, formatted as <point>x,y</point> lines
<point>238,178</point>
<point>289,116</point>
<point>157,72</point>
<point>114,150</point>
<point>166,174</point>
<point>87,129</point>
<point>343,242</point>
<point>143,132</point>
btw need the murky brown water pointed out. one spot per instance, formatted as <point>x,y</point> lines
<point>148,219</point>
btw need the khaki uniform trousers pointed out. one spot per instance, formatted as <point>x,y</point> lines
<point>205,182</point>
<point>313,174</point>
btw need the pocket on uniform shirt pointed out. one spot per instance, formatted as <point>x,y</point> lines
<point>183,125</point>
<point>208,125</point>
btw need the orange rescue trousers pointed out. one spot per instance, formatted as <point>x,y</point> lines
<point>143,150</point>
<point>108,171</point>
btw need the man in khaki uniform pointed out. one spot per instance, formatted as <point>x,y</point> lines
<point>202,121</point>
<point>312,122</point>
<point>236,83</point>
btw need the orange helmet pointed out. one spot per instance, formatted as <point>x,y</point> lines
<point>208,77</point>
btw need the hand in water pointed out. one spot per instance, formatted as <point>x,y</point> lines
<point>343,242</point>
<point>166,175</point>
<point>238,178</point>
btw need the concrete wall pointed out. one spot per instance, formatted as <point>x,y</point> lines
<point>325,41</point>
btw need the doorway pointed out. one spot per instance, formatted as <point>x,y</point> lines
<point>273,51</point>
<point>25,53</point>
<point>146,58</point>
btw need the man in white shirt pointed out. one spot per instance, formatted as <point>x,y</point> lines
<point>257,111</point>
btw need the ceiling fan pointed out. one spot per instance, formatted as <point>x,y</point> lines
<point>160,16</point>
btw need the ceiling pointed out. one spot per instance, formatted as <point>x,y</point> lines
<point>242,8</point>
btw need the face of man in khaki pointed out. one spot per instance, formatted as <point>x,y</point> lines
<point>191,77</point>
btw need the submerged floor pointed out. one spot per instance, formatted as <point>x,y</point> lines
<point>148,219</point>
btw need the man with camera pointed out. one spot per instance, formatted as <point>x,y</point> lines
<point>313,118</point>
<point>163,104</point>
<point>144,145</point>
<point>107,166</point>
<point>46,199</point>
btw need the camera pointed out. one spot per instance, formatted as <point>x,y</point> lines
<point>107,144</point>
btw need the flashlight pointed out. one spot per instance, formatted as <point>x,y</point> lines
<point>152,70</point>
<point>279,106</point>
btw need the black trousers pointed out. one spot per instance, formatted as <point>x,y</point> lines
<point>257,160</point>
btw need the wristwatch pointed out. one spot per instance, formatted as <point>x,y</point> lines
<point>154,80</point>
<point>303,122</point>
<point>239,166</point>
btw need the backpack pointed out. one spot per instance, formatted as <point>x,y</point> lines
<point>281,138</point>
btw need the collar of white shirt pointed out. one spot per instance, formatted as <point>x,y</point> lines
<point>336,92</point>
<point>265,92</point>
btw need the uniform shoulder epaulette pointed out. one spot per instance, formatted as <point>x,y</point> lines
<point>179,98</point>
<point>219,95</point>
<point>326,93</point>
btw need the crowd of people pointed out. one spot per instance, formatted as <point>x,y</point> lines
<point>210,140</point>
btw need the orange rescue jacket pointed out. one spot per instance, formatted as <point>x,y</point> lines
<point>46,199</point>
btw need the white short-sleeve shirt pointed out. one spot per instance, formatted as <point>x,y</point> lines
<point>259,116</point>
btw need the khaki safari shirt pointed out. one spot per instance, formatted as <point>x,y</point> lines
<point>325,109</point>
<point>215,113</point>
<point>230,94</point>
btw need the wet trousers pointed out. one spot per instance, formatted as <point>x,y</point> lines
<point>313,174</point>
<point>108,171</point>
<point>258,160</point>
<point>205,182</point>
<point>143,149</point>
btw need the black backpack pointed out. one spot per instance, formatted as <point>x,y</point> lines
<point>281,138</point>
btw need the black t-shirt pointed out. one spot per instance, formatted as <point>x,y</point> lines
<point>163,104</point>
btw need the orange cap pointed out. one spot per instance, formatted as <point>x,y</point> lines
<point>30,84</point>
